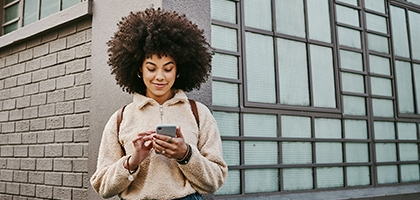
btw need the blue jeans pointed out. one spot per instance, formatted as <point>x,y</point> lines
<point>195,196</point>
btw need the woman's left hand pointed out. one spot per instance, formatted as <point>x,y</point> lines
<point>169,146</point>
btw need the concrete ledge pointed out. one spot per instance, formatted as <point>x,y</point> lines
<point>82,9</point>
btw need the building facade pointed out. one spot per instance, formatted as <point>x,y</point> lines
<point>314,99</point>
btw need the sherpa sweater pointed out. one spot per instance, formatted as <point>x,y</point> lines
<point>159,177</point>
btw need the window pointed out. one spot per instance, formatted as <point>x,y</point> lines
<point>19,13</point>
<point>316,94</point>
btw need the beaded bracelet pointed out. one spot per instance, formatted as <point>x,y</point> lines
<point>186,157</point>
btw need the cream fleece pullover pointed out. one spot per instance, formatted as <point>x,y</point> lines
<point>159,177</point>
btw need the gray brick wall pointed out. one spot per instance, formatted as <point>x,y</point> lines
<point>44,108</point>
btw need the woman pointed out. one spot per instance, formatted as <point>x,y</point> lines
<point>157,55</point>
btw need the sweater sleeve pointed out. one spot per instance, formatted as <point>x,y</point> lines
<point>110,177</point>
<point>206,170</point>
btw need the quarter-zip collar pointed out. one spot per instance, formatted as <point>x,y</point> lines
<point>140,100</point>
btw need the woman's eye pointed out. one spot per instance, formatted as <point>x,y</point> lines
<point>168,70</point>
<point>151,70</point>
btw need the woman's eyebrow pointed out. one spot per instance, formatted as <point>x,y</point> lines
<point>169,63</point>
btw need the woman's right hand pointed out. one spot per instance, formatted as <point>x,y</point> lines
<point>142,145</point>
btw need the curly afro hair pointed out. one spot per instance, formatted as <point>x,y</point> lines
<point>157,32</point>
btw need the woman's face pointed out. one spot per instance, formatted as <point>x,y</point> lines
<point>159,76</point>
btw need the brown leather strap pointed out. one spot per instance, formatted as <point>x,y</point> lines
<point>195,112</point>
<point>119,118</point>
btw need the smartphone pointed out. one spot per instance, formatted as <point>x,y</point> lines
<point>166,129</point>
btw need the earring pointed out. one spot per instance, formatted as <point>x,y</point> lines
<point>177,76</point>
<point>138,75</point>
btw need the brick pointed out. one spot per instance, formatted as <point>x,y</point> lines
<point>73,150</point>
<point>15,138</point>
<point>44,164</point>
<point>56,71</point>
<point>73,121</point>
<point>29,138</point>
<point>75,66</point>
<point>80,165</point>
<point>54,150</point>
<point>83,78</point>
<point>6,72</point>
<point>12,188</point>
<point>72,179</point>
<point>18,69</point>
<point>16,91</point>
<point>67,30</point>
<point>37,124</point>
<point>15,115</point>
<point>27,190</point>
<point>4,116</point>
<point>58,45</point>
<point>24,79</point>
<point>85,150</point>
<point>3,162</point>
<point>23,102</point>
<point>76,39</point>
<point>30,113</point>
<point>5,94</point>
<point>25,55</point>
<point>56,96</point>
<point>20,176</point>
<point>38,99</point>
<point>74,93</point>
<point>66,55</point>
<point>2,62</point>
<point>10,82</point>
<point>8,127</point>
<point>80,193</point>
<point>31,89</point>
<point>63,165</point>
<point>64,108</point>
<point>6,175</point>
<point>6,151</point>
<point>36,151</point>
<point>88,63</point>
<point>33,65</point>
<point>39,75</point>
<point>65,81</point>
<point>43,191</point>
<point>41,50</point>
<point>27,164</point>
<point>9,104</point>
<point>89,35</point>
<point>48,60</point>
<point>13,163</point>
<point>52,178</point>
<point>62,193</point>
<point>84,50</point>
<point>46,110</point>
<point>3,140</point>
<point>64,136</point>
<point>82,105</point>
<point>22,126</point>
<point>46,137</point>
<point>20,151</point>
<point>36,177</point>
<point>47,85</point>
<point>12,59</point>
<point>50,36</point>
<point>81,135</point>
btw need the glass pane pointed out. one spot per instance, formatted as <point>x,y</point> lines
<point>329,152</point>
<point>414,1</point>
<point>225,66</point>
<point>323,77</point>
<point>260,125</point>
<point>378,43</point>
<point>349,37</point>
<point>8,1</point>
<point>258,14</point>
<point>296,152</point>
<point>381,86</point>
<point>223,10</point>
<point>11,12</point>
<point>384,130</point>
<point>352,2</point>
<point>357,176</point>
<point>319,20</point>
<point>293,72</point>
<point>224,38</point>
<point>30,12</point>
<point>355,129</point>
<point>410,173</point>
<point>383,108</point>
<point>416,69</point>
<point>231,153</point>
<point>399,31</point>
<point>294,126</point>
<point>260,67</point>
<point>379,65</point>
<point>414,34</point>
<point>408,151</point>
<point>351,60</point>
<point>290,17</point>
<point>376,5</point>
<point>407,131</point>
<point>353,82</point>
<point>297,179</point>
<point>232,185</point>
<point>329,177</point>
<point>261,180</point>
<point>387,174</point>
<point>49,7</point>
<point>354,105</point>
<point>404,87</point>
<point>228,123</point>
<point>386,152</point>
<point>347,15</point>
<point>68,3</point>
<point>376,23</point>
<point>327,128</point>
<point>357,152</point>
<point>225,94</point>
<point>261,153</point>
<point>11,27</point>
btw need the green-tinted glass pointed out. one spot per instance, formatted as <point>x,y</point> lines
<point>11,27</point>
<point>353,82</point>
<point>404,81</point>
<point>30,12</point>
<point>383,108</point>
<point>223,10</point>
<point>329,152</point>
<point>399,32</point>
<point>376,5</point>
<point>408,151</point>
<point>416,69</point>
<point>227,122</point>
<point>224,38</point>
<point>378,43</point>
<point>261,84</point>
<point>296,153</point>
<point>330,177</point>
<point>323,77</point>
<point>225,66</point>
<point>8,1</point>
<point>354,105</point>
<point>407,131</point>
<point>290,17</point>
<point>355,129</point>
<point>386,152</point>
<point>327,128</point>
<point>294,126</point>
<point>414,1</point>
<point>349,37</point>
<point>232,185</point>
<point>351,60</point>
<point>387,174</point>
<point>261,180</point>
<point>381,86</point>
<point>297,179</point>
<point>261,153</point>
<point>379,65</point>
<point>68,3</point>
<point>225,94</point>
<point>231,153</point>
<point>357,152</point>
<point>258,14</point>
<point>376,23</point>
<point>260,125</point>
<point>293,72</point>
<point>358,176</point>
<point>384,130</point>
<point>410,173</point>
<point>414,19</point>
<point>319,20</point>
<point>49,7</point>
<point>11,12</point>
<point>352,2</point>
<point>347,15</point>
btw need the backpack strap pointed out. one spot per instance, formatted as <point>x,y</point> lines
<point>195,112</point>
<point>119,119</point>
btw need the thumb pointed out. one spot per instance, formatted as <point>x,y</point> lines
<point>178,132</point>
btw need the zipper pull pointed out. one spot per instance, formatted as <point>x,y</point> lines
<point>161,114</point>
